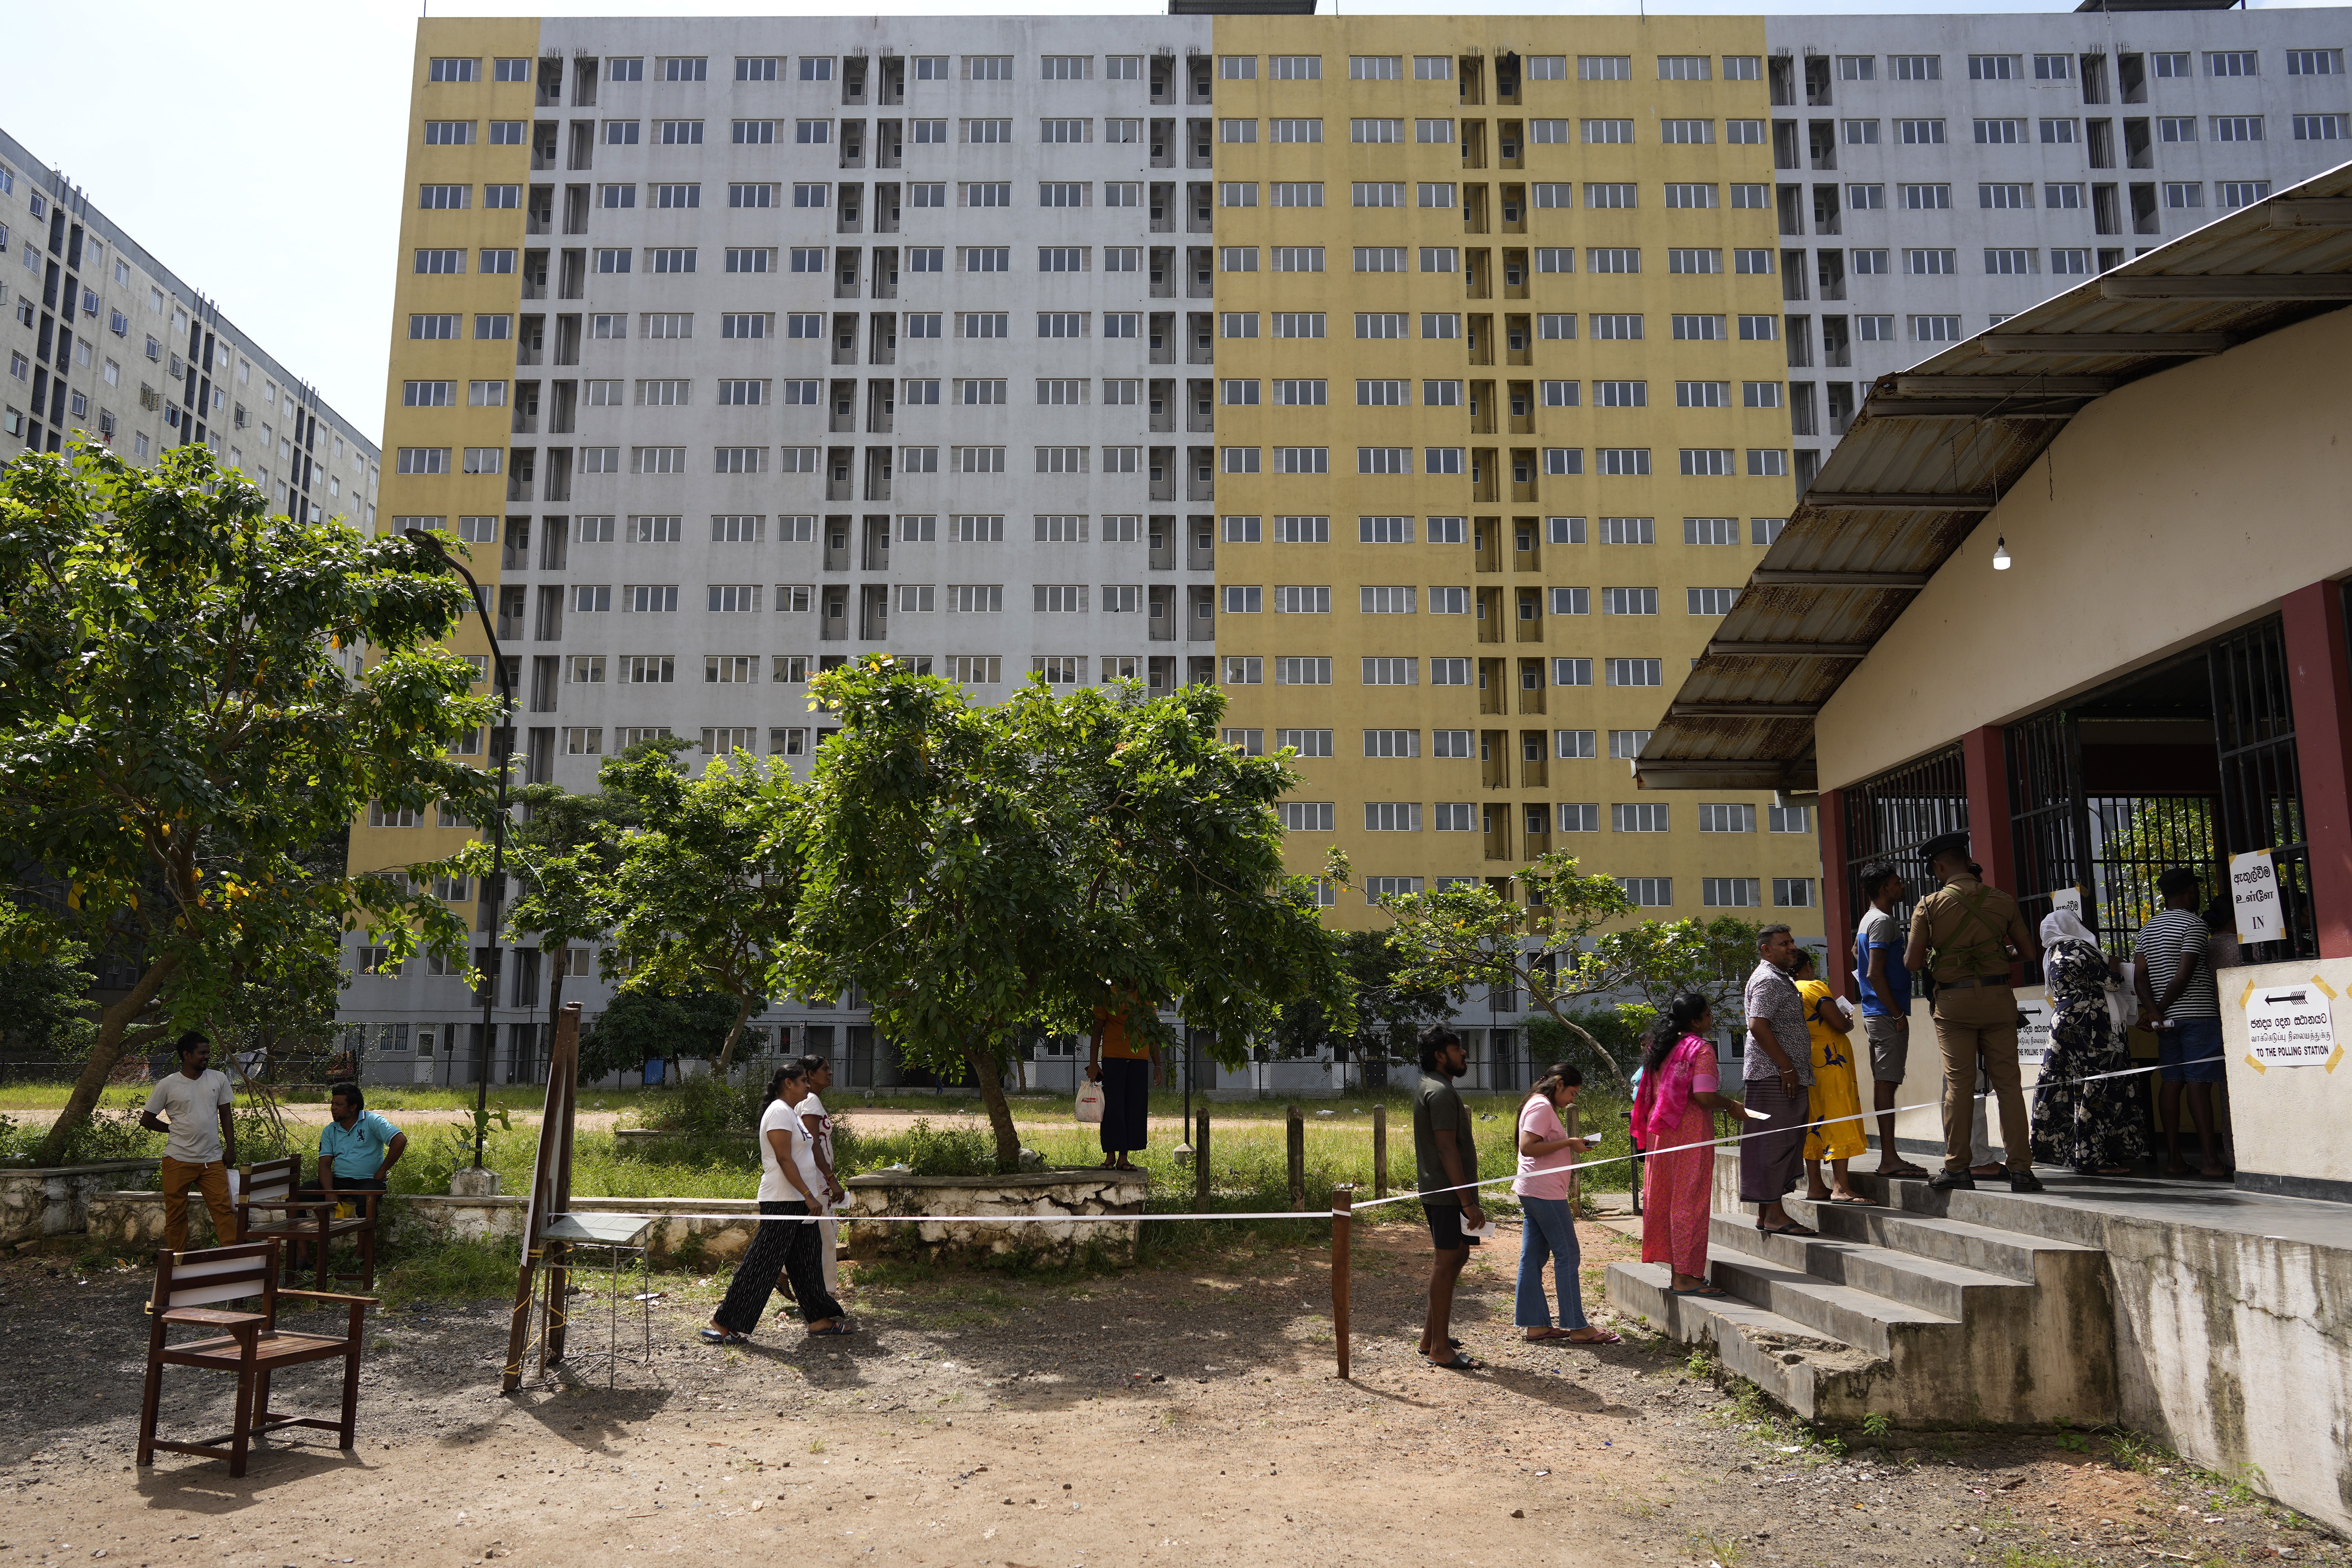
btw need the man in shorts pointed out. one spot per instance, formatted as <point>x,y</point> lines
<point>2180,1000</point>
<point>1885,1006</point>
<point>1445,1160</point>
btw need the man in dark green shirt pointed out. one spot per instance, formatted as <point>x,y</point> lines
<point>1445,1156</point>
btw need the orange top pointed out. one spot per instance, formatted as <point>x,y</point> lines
<point>1118,1045</point>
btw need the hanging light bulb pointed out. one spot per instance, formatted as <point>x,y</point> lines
<point>2000,553</point>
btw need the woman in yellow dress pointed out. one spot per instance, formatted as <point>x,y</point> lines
<point>1837,1101</point>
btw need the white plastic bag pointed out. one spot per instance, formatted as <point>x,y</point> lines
<point>1090,1102</point>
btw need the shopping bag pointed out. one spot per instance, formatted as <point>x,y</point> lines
<point>1090,1102</point>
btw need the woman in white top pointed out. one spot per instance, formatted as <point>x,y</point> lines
<point>1545,1152</point>
<point>790,1186</point>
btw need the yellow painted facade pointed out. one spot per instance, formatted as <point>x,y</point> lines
<point>1525,531</point>
<point>466,358</point>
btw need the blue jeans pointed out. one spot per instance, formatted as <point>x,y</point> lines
<point>1550,1233</point>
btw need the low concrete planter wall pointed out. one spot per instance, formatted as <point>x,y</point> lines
<point>133,1222</point>
<point>37,1202</point>
<point>1040,1193</point>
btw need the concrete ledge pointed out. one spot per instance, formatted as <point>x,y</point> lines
<point>133,1222</point>
<point>40,1201</point>
<point>1040,1193</point>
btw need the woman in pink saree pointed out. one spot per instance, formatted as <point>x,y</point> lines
<point>1674,1114</point>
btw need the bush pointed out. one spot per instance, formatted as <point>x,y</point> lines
<point>923,1149</point>
<point>1549,1042</point>
<point>707,1106</point>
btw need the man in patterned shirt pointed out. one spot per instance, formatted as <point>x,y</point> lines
<point>1778,1070</point>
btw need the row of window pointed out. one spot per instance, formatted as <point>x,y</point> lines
<point>1695,462</point>
<point>1406,599</point>
<point>793,670</point>
<point>1472,817</point>
<point>2174,64</point>
<point>1290,669</point>
<point>1644,893</point>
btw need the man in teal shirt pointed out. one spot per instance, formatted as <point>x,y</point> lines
<point>358,1149</point>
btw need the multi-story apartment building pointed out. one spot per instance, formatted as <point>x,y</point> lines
<point>107,344</point>
<point>710,334</point>
<point>1938,175</point>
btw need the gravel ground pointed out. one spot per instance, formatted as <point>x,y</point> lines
<point>1179,1414</point>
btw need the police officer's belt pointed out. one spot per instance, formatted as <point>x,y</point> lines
<point>1972,982</point>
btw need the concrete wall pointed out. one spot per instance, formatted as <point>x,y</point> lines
<point>2130,544</point>
<point>2289,1122</point>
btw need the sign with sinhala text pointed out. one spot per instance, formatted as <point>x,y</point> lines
<point>2254,893</point>
<point>2290,1025</point>
<point>2034,1033</point>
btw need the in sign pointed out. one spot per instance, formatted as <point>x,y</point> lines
<point>2254,893</point>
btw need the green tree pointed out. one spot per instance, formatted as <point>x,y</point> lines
<point>703,895</point>
<point>1661,960</point>
<point>178,721</point>
<point>46,1011</point>
<point>983,873</point>
<point>642,1026</point>
<point>1558,948</point>
<point>1389,1012</point>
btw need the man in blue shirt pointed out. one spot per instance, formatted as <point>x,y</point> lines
<point>1885,1006</point>
<point>358,1149</point>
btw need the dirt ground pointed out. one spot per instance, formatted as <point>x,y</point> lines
<point>1182,1414</point>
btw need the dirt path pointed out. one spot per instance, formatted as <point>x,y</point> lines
<point>1182,1415</point>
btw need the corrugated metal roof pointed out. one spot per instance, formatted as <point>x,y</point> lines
<point>1938,444</point>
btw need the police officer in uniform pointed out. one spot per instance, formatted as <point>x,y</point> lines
<point>1965,935</point>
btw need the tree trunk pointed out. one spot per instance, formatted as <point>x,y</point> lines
<point>985,1068</point>
<point>727,1051</point>
<point>1598,1048</point>
<point>103,1055</point>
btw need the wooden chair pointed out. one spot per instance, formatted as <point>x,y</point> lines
<point>306,1218</point>
<point>195,1289</point>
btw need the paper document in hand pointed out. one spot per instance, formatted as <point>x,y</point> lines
<point>1756,1115</point>
<point>1481,1233</point>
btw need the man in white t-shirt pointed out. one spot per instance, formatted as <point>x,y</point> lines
<point>200,1143</point>
<point>818,1124</point>
<point>791,1193</point>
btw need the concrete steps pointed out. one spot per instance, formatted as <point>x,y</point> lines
<point>1898,1310</point>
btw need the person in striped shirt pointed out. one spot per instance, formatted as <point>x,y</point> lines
<point>2181,1002</point>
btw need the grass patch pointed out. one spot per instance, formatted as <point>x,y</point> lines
<point>449,1271</point>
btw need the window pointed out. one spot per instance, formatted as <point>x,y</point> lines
<point>1385,671</point>
<point>2237,128</point>
<point>2005,196</point>
<point>1066,67</point>
<point>1860,133</point>
<point>1996,67</point>
<point>1930,263</point>
<point>1616,327</point>
<point>1612,259</point>
<point>1433,133</point>
<point>1697,261</point>
<point>2010,263</point>
<point>1685,67</point>
<point>2061,132</point>
<point>1916,68</point>
<point>2070,262</point>
<point>1644,816</point>
<point>1935,329</point>
<point>2180,196</point>
<point>1686,132</point>
<point>1621,394</point>
<point>1392,742</point>
<point>1733,892</point>
<point>2232,62</point>
<point>441,68</point>
<point>1691,195</point>
<point>2315,62</point>
<point>2321,127</point>
<point>2226,194</point>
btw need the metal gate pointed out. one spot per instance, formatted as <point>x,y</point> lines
<point>1889,816</point>
<point>2050,829</point>
<point>2261,784</point>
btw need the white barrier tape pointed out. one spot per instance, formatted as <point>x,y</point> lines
<point>1313,1214</point>
<point>1742,1137</point>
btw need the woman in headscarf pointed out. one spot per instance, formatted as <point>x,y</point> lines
<point>2096,1128</point>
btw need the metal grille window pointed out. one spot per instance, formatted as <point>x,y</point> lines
<point>2261,781</point>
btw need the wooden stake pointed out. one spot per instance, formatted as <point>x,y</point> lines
<point>1200,1183</point>
<point>1343,1208</point>
<point>1381,1150</point>
<point>1295,1135</point>
<point>551,1194</point>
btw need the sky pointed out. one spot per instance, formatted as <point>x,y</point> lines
<point>255,146</point>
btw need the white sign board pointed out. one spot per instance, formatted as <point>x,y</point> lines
<point>2254,891</point>
<point>2290,1025</point>
<point>2034,1035</point>
<point>2066,898</point>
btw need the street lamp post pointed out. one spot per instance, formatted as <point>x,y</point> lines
<point>495,889</point>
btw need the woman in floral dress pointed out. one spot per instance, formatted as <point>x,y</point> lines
<point>2096,1128</point>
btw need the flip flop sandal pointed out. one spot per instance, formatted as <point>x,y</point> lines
<point>1702,1290</point>
<point>1903,1174</point>
<point>1460,1364</point>
<point>1600,1337</point>
<point>1799,1231</point>
<point>1855,1202</point>
<point>1554,1333</point>
<point>837,1329</point>
<point>724,1337</point>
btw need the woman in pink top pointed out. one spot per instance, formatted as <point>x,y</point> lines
<point>1545,1152</point>
<point>1674,1115</point>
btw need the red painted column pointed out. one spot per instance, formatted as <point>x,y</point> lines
<point>1837,912</point>
<point>2319,675</point>
<point>1984,757</point>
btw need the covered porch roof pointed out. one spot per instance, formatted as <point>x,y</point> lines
<point>1937,447</point>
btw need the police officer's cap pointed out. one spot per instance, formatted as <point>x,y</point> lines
<point>1945,844</point>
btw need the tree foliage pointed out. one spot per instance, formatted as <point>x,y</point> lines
<point>178,723</point>
<point>1389,1011</point>
<point>1559,946</point>
<point>642,1026</point>
<point>981,873</point>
